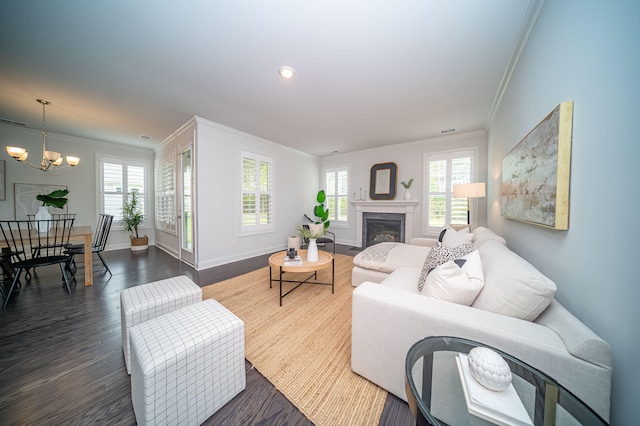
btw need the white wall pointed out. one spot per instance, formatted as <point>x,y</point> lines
<point>409,159</point>
<point>218,185</point>
<point>586,52</point>
<point>80,180</point>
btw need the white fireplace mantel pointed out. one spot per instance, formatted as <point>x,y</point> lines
<point>406,207</point>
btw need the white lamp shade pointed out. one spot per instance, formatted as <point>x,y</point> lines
<point>469,190</point>
<point>72,161</point>
<point>15,152</point>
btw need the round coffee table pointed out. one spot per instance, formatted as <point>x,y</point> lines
<point>277,260</point>
<point>436,395</point>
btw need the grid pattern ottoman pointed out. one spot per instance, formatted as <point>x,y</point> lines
<point>144,302</point>
<point>187,364</point>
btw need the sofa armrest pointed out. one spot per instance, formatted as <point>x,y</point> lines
<point>386,322</point>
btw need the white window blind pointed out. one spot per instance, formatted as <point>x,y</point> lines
<point>119,177</point>
<point>257,192</point>
<point>337,193</point>
<point>442,171</point>
<point>166,193</point>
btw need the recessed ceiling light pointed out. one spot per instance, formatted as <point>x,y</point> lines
<point>145,137</point>
<point>287,72</point>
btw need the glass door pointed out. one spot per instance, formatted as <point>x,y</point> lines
<point>185,218</point>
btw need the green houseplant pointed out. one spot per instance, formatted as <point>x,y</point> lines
<point>407,185</point>
<point>57,198</point>
<point>321,213</point>
<point>132,217</point>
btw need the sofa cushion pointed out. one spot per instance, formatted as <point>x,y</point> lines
<point>439,254</point>
<point>482,235</point>
<point>512,286</point>
<point>457,281</point>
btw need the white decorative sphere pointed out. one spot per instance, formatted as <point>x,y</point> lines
<point>489,369</point>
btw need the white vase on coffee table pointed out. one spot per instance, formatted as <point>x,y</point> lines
<point>312,250</point>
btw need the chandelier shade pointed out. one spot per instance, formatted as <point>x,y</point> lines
<point>50,159</point>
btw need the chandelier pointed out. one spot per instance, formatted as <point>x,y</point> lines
<point>50,159</point>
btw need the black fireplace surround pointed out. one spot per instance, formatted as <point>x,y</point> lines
<point>382,227</point>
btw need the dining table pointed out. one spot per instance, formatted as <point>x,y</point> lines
<point>82,234</point>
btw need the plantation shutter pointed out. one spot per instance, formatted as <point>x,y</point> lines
<point>257,192</point>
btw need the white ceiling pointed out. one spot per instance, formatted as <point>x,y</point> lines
<point>369,73</point>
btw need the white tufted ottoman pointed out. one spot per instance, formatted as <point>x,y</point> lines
<point>186,364</point>
<point>144,302</point>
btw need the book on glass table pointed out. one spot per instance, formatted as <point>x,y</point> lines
<point>297,261</point>
<point>503,408</point>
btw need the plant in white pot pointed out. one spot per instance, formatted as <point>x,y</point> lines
<point>322,215</point>
<point>56,199</point>
<point>407,185</point>
<point>132,217</point>
<point>307,233</point>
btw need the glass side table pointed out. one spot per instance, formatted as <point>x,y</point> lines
<point>435,392</point>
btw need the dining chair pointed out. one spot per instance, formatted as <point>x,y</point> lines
<point>98,245</point>
<point>30,249</point>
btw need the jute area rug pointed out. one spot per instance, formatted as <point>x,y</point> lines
<point>304,347</point>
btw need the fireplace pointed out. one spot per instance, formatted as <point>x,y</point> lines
<point>382,227</point>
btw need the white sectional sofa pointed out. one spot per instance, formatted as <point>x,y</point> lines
<point>390,314</point>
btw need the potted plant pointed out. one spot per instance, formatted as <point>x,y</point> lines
<point>321,213</point>
<point>56,199</point>
<point>132,217</point>
<point>311,234</point>
<point>407,185</point>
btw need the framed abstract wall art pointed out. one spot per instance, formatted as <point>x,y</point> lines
<point>25,202</point>
<point>535,174</point>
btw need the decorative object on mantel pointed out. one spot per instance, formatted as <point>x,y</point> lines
<point>56,199</point>
<point>407,185</point>
<point>382,184</point>
<point>50,159</point>
<point>535,174</point>
<point>132,217</point>
<point>469,190</point>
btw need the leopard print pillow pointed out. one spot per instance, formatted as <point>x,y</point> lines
<point>439,254</point>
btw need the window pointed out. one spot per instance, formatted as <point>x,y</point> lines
<point>337,192</point>
<point>117,178</point>
<point>442,171</point>
<point>166,193</point>
<point>257,193</point>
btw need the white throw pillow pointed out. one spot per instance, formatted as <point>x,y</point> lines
<point>456,284</point>
<point>453,238</point>
<point>439,254</point>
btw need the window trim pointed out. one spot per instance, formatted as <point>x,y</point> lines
<point>161,225</point>
<point>113,159</point>
<point>474,152</point>
<point>258,228</point>
<point>335,170</point>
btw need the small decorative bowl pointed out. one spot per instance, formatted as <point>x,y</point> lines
<point>489,369</point>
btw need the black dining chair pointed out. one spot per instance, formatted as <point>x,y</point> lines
<point>98,245</point>
<point>29,248</point>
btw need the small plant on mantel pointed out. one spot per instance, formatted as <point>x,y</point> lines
<point>132,217</point>
<point>407,185</point>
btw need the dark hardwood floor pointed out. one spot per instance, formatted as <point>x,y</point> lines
<point>61,354</point>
